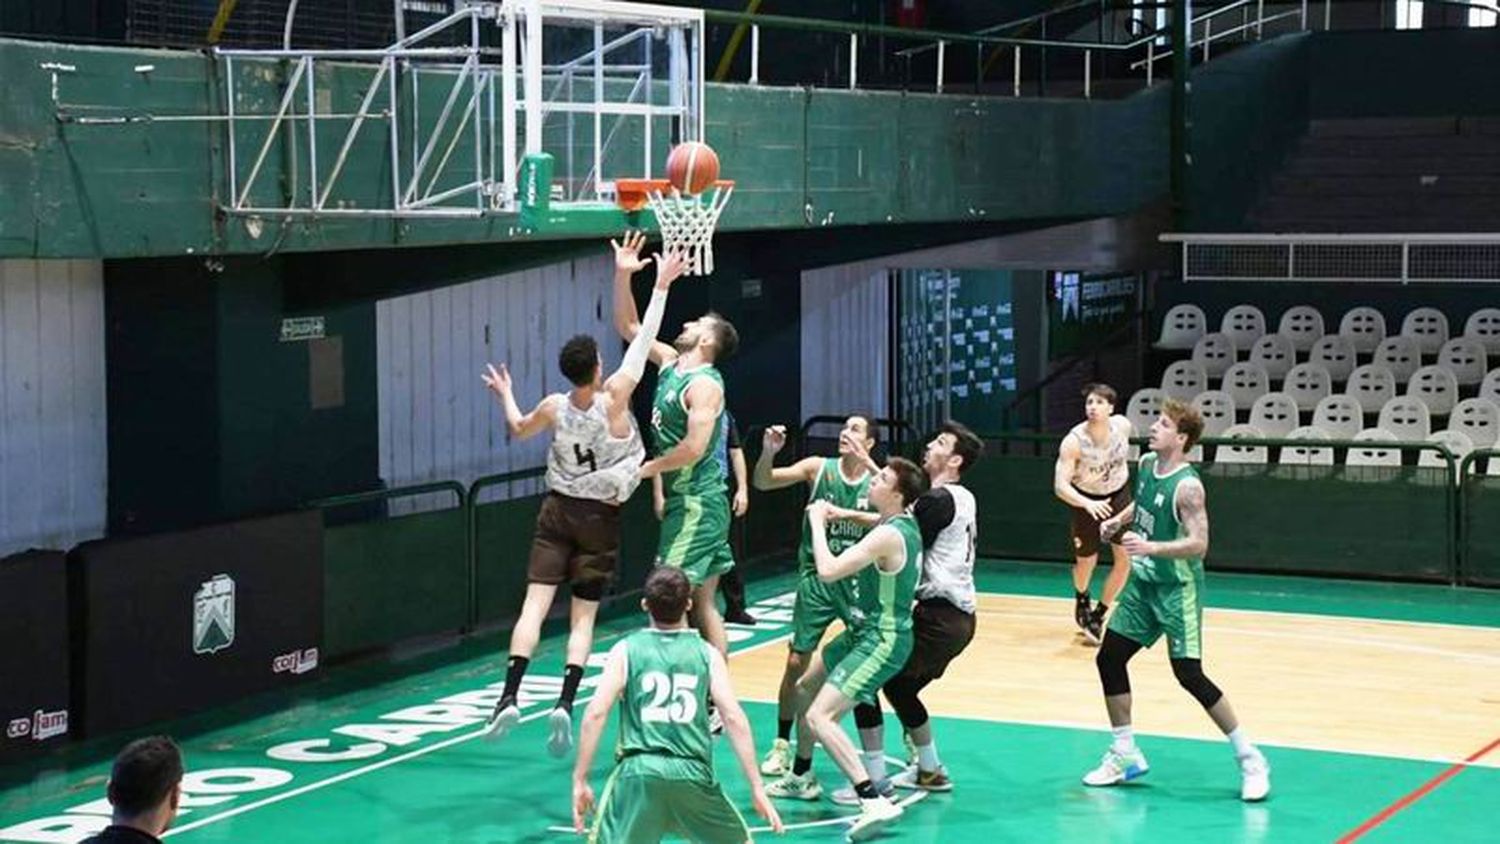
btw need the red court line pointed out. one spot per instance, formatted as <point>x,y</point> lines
<point>1426,788</point>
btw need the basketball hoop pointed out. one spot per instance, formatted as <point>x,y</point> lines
<point>687,222</point>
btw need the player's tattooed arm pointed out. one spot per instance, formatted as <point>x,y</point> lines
<point>1192,513</point>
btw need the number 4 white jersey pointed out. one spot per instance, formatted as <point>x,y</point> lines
<point>586,461</point>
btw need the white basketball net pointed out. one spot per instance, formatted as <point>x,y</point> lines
<point>687,224</point>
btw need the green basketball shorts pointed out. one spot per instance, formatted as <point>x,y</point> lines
<point>695,536</point>
<point>1146,610</point>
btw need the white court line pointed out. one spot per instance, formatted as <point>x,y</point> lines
<point>385,763</point>
<point>1096,728</point>
<point>844,820</point>
<point>1369,618</point>
<point>413,754</point>
<point>1464,656</point>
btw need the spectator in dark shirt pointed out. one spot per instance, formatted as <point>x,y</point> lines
<point>145,787</point>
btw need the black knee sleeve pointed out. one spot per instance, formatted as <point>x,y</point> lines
<point>902,693</point>
<point>590,589</point>
<point>1189,673</point>
<point>1114,653</point>
<point>867,716</point>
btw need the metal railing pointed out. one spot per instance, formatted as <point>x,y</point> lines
<point>1304,517</point>
<point>938,42</point>
<point>1356,258</point>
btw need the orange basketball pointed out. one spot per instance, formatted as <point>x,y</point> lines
<point>692,167</point>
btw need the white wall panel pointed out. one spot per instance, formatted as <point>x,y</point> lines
<point>845,340</point>
<point>52,404</point>
<point>437,419</point>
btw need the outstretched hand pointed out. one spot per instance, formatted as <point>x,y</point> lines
<point>628,253</point>
<point>774,438</point>
<point>496,380</point>
<point>670,266</point>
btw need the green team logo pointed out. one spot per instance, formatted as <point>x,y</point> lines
<point>213,615</point>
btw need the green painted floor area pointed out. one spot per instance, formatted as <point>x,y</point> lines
<point>389,753</point>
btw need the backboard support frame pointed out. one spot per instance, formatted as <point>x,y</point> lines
<point>643,63</point>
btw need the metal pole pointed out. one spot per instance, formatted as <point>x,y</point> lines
<point>479,78</point>
<point>1088,72</point>
<point>754,60</point>
<point>853,59</point>
<point>533,76</point>
<point>400,16</point>
<point>395,140</point>
<point>698,92</point>
<point>1327,15</point>
<point>1303,18</point>
<point>233,163</point>
<point>508,104</point>
<point>1182,16</point>
<point>1150,61</point>
<point>942,54</point>
<point>598,115</point>
<point>1016,84</point>
<point>754,55</point>
<point>312,141</point>
<point>1208,38</point>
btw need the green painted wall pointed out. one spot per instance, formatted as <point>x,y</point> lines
<point>1413,73</point>
<point>146,189</point>
<point>1248,110</point>
<point>210,414</point>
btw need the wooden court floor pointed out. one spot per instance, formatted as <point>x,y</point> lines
<point>1375,704</point>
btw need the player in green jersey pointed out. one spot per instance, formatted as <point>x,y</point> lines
<point>885,566</point>
<point>1166,538</point>
<point>685,417</point>
<point>843,481</point>
<point>663,782</point>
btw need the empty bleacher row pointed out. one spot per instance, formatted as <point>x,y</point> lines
<point>1305,384</point>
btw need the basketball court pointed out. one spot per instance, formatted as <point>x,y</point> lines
<point>1374,702</point>
<point>1370,700</point>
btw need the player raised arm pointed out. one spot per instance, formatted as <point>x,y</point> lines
<point>705,400</point>
<point>522,426</point>
<point>1062,481</point>
<point>1192,511</point>
<point>737,727</point>
<point>611,684</point>
<point>628,261</point>
<point>881,543</point>
<point>768,477</point>
<point>669,267</point>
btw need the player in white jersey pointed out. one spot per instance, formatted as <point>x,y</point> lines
<point>1092,475</point>
<point>593,466</point>
<point>943,619</point>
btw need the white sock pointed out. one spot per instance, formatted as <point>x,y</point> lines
<point>874,764</point>
<point>927,757</point>
<point>1241,742</point>
<point>1124,739</point>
